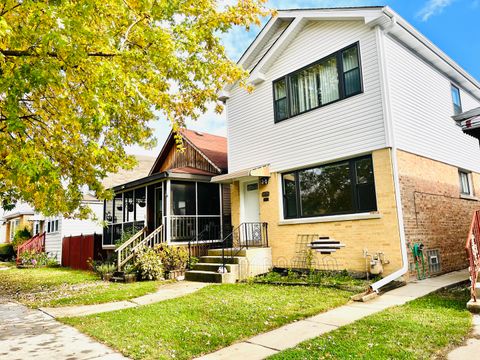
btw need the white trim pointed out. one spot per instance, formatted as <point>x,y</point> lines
<point>396,179</point>
<point>166,197</point>
<point>469,197</point>
<point>331,218</point>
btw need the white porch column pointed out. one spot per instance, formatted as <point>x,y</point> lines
<point>167,212</point>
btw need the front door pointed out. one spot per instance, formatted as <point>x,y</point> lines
<point>249,234</point>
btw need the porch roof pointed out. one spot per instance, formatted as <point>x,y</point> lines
<point>173,174</point>
<point>259,171</point>
<point>469,121</point>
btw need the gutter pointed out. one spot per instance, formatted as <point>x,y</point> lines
<point>390,140</point>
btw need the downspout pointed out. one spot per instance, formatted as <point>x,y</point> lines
<point>390,141</point>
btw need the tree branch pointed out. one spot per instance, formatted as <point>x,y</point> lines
<point>25,53</point>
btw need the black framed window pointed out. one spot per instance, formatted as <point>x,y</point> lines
<point>339,188</point>
<point>457,101</point>
<point>330,79</point>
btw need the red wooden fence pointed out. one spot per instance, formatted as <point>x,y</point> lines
<point>36,243</point>
<point>76,250</point>
<point>473,251</point>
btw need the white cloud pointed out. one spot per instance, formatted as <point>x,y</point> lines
<point>433,7</point>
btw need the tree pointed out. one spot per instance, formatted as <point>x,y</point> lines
<point>80,80</point>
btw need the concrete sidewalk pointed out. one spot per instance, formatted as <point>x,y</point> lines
<point>165,292</point>
<point>272,342</point>
<point>30,334</point>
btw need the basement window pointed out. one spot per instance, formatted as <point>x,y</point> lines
<point>465,182</point>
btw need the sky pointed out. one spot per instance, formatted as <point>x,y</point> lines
<point>452,25</point>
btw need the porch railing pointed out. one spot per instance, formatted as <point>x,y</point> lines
<point>472,247</point>
<point>188,227</point>
<point>36,243</point>
<point>127,250</point>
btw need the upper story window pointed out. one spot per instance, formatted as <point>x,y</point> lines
<point>341,188</point>
<point>457,101</point>
<point>465,183</point>
<point>52,226</point>
<point>330,79</point>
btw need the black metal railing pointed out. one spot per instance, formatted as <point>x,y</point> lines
<point>244,236</point>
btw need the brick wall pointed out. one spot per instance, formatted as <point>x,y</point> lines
<point>378,234</point>
<point>434,212</point>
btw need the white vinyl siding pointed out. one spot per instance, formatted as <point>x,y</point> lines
<point>53,239</point>
<point>422,110</point>
<point>72,227</point>
<point>343,129</point>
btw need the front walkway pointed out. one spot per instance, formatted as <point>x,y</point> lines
<point>31,334</point>
<point>166,292</point>
<point>272,342</point>
<point>472,345</point>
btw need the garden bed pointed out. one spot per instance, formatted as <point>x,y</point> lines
<point>334,279</point>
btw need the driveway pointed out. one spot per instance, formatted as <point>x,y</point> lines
<point>27,333</point>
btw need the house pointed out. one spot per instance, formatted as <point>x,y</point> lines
<point>175,203</point>
<point>348,138</point>
<point>58,227</point>
<point>20,217</point>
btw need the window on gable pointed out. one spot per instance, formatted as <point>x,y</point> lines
<point>465,183</point>
<point>340,188</point>
<point>457,101</point>
<point>332,78</point>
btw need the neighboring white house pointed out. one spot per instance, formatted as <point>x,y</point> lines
<point>57,228</point>
<point>349,135</point>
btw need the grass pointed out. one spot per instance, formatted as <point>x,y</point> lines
<point>212,318</point>
<point>421,329</point>
<point>40,287</point>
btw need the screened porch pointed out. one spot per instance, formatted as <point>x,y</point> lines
<point>188,209</point>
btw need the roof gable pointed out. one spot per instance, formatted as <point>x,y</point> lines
<point>384,17</point>
<point>203,152</point>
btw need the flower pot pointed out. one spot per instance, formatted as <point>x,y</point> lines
<point>130,278</point>
<point>175,274</point>
<point>107,277</point>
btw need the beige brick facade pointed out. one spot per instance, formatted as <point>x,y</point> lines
<point>434,212</point>
<point>378,234</point>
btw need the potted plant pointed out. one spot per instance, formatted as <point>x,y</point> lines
<point>130,275</point>
<point>105,271</point>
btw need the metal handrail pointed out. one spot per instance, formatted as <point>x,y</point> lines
<point>36,242</point>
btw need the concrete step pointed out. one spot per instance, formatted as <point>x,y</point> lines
<point>228,252</point>
<point>218,259</point>
<point>214,267</point>
<point>210,276</point>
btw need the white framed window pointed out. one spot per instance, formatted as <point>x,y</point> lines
<point>465,178</point>
<point>52,226</point>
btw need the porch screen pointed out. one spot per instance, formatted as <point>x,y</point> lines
<point>183,198</point>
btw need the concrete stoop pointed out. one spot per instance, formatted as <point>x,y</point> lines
<point>240,264</point>
<point>208,269</point>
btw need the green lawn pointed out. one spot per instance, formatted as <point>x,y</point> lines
<point>212,318</point>
<point>40,287</point>
<point>421,329</point>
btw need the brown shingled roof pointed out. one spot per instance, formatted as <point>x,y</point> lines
<point>142,169</point>
<point>214,147</point>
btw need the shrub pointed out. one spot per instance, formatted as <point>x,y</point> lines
<point>33,258</point>
<point>101,268</point>
<point>6,252</point>
<point>20,237</point>
<point>149,264</point>
<point>173,257</point>
<point>126,235</point>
